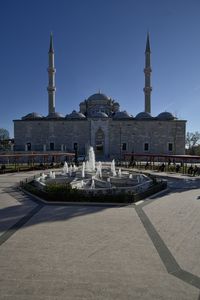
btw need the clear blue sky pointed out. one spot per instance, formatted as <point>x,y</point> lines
<point>99,44</point>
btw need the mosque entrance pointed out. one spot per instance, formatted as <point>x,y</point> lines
<point>99,142</point>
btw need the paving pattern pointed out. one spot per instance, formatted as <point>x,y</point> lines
<point>145,251</point>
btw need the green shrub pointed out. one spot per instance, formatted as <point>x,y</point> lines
<point>65,193</point>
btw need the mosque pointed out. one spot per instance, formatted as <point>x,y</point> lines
<point>101,124</point>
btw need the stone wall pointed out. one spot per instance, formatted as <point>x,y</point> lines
<point>157,134</point>
<point>133,133</point>
<point>63,133</point>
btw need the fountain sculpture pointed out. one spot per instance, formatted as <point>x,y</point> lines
<point>94,177</point>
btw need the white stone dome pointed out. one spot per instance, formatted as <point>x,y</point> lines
<point>143,115</point>
<point>122,115</point>
<point>55,115</point>
<point>75,115</point>
<point>98,96</point>
<point>165,116</point>
<point>32,116</point>
<point>100,114</point>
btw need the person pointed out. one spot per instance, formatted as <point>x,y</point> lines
<point>190,169</point>
<point>147,165</point>
<point>195,170</point>
<point>177,168</point>
<point>162,167</point>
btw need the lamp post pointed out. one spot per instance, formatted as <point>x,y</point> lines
<point>76,153</point>
<point>120,140</point>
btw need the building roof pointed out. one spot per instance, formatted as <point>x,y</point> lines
<point>122,115</point>
<point>165,116</point>
<point>32,116</point>
<point>75,115</point>
<point>55,115</point>
<point>143,115</point>
<point>100,114</point>
<point>98,96</point>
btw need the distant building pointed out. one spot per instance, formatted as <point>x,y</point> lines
<point>102,124</point>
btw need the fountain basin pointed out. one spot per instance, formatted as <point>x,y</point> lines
<point>95,180</point>
<point>92,184</point>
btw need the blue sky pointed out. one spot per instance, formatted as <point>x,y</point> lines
<point>100,44</point>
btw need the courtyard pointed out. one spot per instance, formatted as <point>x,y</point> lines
<point>148,250</point>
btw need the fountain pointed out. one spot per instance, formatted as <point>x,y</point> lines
<point>99,170</point>
<point>100,179</point>
<point>93,183</point>
<point>113,168</point>
<point>91,161</point>
<point>70,170</point>
<point>83,170</point>
<point>65,169</point>
<point>43,177</point>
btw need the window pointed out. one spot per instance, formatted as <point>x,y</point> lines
<point>146,147</point>
<point>51,146</point>
<point>28,146</point>
<point>75,146</point>
<point>170,147</point>
<point>123,146</point>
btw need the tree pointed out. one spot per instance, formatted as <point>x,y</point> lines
<point>4,134</point>
<point>192,142</point>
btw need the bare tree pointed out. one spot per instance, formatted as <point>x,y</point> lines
<point>4,134</point>
<point>192,141</point>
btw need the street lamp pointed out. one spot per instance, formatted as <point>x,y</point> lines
<point>120,140</point>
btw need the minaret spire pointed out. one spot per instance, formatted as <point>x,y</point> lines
<point>51,43</point>
<point>147,71</point>
<point>51,74</point>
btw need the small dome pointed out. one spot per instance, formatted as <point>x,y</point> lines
<point>55,115</point>
<point>165,116</point>
<point>76,115</point>
<point>100,114</point>
<point>32,116</point>
<point>98,96</point>
<point>122,115</point>
<point>143,115</point>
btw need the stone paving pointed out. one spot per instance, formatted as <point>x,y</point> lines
<point>145,251</point>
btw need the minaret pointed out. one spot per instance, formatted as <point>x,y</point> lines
<point>147,71</point>
<point>51,71</point>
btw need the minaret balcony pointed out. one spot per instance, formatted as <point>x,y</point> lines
<point>51,70</point>
<point>147,70</point>
<point>51,88</point>
<point>147,89</point>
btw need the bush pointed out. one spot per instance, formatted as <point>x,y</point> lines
<point>64,192</point>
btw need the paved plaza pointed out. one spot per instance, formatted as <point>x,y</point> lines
<point>146,251</point>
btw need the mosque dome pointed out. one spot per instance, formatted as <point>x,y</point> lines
<point>143,115</point>
<point>122,115</point>
<point>75,115</point>
<point>32,116</point>
<point>100,114</point>
<point>55,115</point>
<point>165,116</point>
<point>98,96</point>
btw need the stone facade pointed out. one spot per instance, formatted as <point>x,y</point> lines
<point>111,133</point>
